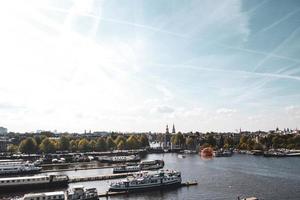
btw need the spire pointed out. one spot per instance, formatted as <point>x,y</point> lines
<point>173,129</point>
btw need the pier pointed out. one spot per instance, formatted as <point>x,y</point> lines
<point>109,194</point>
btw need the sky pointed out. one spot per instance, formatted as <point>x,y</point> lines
<point>138,65</point>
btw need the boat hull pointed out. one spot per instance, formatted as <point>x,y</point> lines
<point>30,187</point>
<point>147,188</point>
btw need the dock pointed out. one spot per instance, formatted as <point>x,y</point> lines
<point>99,178</point>
<point>109,194</point>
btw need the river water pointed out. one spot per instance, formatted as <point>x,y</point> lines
<point>218,178</point>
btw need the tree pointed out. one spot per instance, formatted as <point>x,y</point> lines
<point>211,140</point>
<point>132,142</point>
<point>110,143</point>
<point>229,142</point>
<point>12,148</point>
<point>101,145</point>
<point>121,145</point>
<point>47,146</point>
<point>144,142</point>
<point>178,139</point>
<point>83,145</point>
<point>28,146</point>
<point>64,143</point>
<point>119,139</point>
<point>190,143</point>
<point>74,145</point>
<point>92,145</point>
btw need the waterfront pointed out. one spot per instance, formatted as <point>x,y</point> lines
<point>218,178</point>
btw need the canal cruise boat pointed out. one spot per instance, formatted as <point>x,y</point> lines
<point>146,181</point>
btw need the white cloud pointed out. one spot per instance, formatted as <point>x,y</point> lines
<point>293,111</point>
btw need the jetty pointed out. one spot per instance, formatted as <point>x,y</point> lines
<point>109,194</point>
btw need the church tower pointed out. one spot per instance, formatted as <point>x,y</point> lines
<point>167,130</point>
<point>173,129</point>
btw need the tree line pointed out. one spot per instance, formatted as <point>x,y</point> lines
<point>44,144</point>
<point>246,142</point>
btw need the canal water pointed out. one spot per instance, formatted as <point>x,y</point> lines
<point>218,178</point>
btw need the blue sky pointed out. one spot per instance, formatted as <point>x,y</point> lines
<point>128,65</point>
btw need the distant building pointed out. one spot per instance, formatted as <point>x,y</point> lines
<point>3,145</point>
<point>167,139</point>
<point>3,131</point>
<point>173,129</point>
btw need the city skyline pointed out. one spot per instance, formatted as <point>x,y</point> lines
<point>139,65</point>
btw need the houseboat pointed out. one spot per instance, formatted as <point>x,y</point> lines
<point>152,164</point>
<point>60,195</point>
<point>18,167</point>
<point>33,182</point>
<point>120,159</point>
<point>76,193</point>
<point>126,169</point>
<point>146,181</point>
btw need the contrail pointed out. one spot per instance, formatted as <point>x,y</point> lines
<point>119,22</point>
<point>194,67</point>
<point>279,21</point>
<point>259,52</point>
<point>278,47</point>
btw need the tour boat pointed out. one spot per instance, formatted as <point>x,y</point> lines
<point>126,169</point>
<point>13,168</point>
<point>146,181</point>
<point>144,165</point>
<point>33,182</point>
<point>76,193</point>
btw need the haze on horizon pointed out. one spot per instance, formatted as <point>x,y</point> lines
<point>138,65</point>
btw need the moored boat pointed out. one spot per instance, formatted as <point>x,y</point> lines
<point>75,193</point>
<point>18,167</point>
<point>33,182</point>
<point>126,169</point>
<point>146,181</point>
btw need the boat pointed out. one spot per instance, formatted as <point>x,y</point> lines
<point>33,182</point>
<point>60,195</point>
<point>147,181</point>
<point>222,153</point>
<point>82,193</point>
<point>126,169</point>
<point>75,193</point>
<point>181,156</point>
<point>152,164</point>
<point>119,159</point>
<point>18,167</point>
<point>274,154</point>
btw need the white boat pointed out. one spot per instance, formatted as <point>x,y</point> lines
<point>144,165</point>
<point>33,182</point>
<point>80,192</point>
<point>75,193</point>
<point>126,169</point>
<point>119,159</point>
<point>181,156</point>
<point>60,195</point>
<point>18,167</point>
<point>146,181</point>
